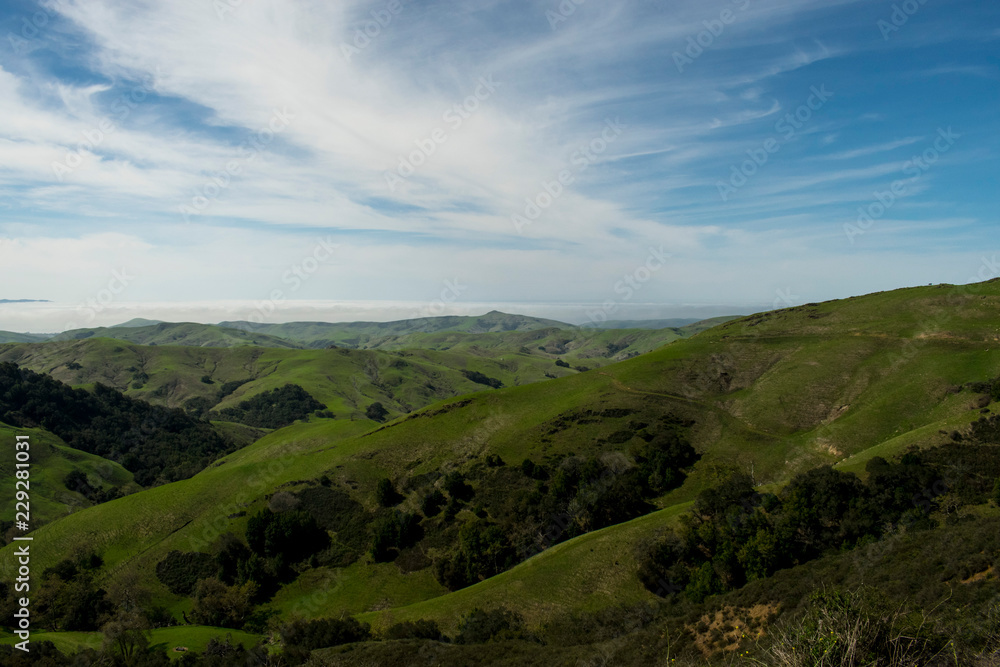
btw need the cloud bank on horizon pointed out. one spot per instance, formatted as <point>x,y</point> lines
<point>554,150</point>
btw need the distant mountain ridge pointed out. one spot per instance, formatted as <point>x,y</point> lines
<point>363,334</point>
<point>493,335</point>
<point>188,334</point>
<point>11,337</point>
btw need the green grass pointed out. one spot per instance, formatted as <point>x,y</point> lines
<point>194,637</point>
<point>51,460</point>
<point>182,333</point>
<point>587,573</point>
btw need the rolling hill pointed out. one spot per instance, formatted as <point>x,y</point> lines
<point>354,334</point>
<point>188,334</point>
<point>772,395</point>
<point>10,337</point>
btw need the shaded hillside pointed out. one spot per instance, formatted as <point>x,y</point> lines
<point>53,463</point>
<point>155,444</point>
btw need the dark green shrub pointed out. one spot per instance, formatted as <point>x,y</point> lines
<point>480,627</point>
<point>393,533</point>
<point>275,408</point>
<point>533,470</point>
<point>455,486</point>
<point>421,629</point>
<point>479,378</point>
<point>432,503</point>
<point>292,535</point>
<point>385,493</point>
<point>376,412</point>
<point>180,571</point>
<point>324,632</point>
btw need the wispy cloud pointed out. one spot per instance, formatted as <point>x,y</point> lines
<point>155,103</point>
<point>872,150</point>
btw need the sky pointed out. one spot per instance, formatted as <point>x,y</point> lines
<point>204,159</point>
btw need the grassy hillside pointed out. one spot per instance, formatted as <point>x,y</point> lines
<point>51,461</point>
<point>347,381</point>
<point>185,333</point>
<point>358,334</point>
<point>10,337</point>
<point>684,323</point>
<point>191,637</point>
<point>494,334</point>
<point>772,395</point>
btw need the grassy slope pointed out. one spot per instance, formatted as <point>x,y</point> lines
<point>544,343</point>
<point>51,461</point>
<point>11,337</point>
<point>194,637</point>
<point>677,323</point>
<point>184,333</point>
<point>579,345</point>
<point>828,382</point>
<point>347,381</point>
<point>355,334</point>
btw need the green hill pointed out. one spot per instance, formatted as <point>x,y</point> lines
<point>494,334</point>
<point>357,334</point>
<point>52,461</point>
<point>346,381</point>
<point>186,333</point>
<point>679,323</point>
<point>137,322</point>
<point>771,395</point>
<point>10,337</point>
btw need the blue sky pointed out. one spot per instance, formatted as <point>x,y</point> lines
<point>774,151</point>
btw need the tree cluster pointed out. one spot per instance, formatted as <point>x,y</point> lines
<point>735,535</point>
<point>274,409</point>
<point>155,443</point>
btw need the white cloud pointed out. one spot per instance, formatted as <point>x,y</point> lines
<point>350,121</point>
